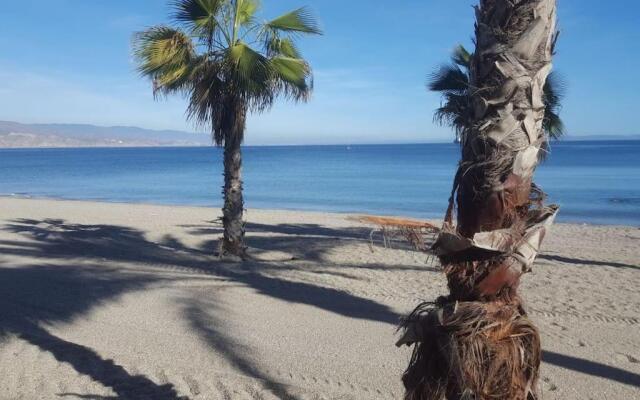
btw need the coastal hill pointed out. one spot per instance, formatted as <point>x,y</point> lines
<point>15,134</point>
<point>19,135</point>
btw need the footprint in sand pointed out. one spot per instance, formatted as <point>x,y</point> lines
<point>194,388</point>
<point>627,358</point>
<point>548,383</point>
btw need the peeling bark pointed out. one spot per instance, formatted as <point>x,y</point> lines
<point>477,343</point>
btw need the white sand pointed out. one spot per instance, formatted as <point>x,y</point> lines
<point>106,301</point>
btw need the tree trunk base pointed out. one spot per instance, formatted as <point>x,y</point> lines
<point>471,350</point>
<point>231,258</point>
<point>230,253</point>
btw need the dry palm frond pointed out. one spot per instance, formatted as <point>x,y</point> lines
<point>400,222</point>
<point>483,351</point>
<point>413,231</point>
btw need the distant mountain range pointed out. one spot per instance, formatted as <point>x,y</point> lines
<point>14,134</point>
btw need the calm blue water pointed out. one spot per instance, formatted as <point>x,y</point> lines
<point>595,182</point>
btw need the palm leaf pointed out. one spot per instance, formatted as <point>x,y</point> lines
<point>198,15</point>
<point>293,70</point>
<point>206,102</point>
<point>553,125</point>
<point>553,93</point>
<point>282,47</point>
<point>461,56</point>
<point>455,112</point>
<point>166,55</point>
<point>448,78</point>
<point>292,77</point>
<point>250,72</point>
<point>247,11</point>
<point>297,21</point>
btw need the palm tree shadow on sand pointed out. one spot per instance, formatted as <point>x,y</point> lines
<point>56,239</point>
<point>595,263</point>
<point>46,294</point>
<point>202,318</point>
<point>59,240</point>
<point>73,291</point>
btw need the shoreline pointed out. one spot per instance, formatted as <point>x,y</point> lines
<point>292,210</point>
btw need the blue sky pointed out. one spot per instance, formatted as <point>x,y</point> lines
<point>69,61</point>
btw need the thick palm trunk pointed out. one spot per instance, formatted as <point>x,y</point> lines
<point>477,343</point>
<point>232,211</point>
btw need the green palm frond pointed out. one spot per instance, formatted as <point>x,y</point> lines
<point>553,125</point>
<point>250,69</point>
<point>454,112</point>
<point>554,90</point>
<point>199,16</point>
<point>452,81</point>
<point>291,70</point>
<point>461,56</point>
<point>449,78</point>
<point>282,47</point>
<point>247,10</point>
<point>167,56</point>
<point>293,76</point>
<point>296,21</point>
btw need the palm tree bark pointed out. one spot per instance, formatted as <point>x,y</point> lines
<point>477,342</point>
<point>233,209</point>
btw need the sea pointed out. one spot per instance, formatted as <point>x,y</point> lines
<point>595,182</point>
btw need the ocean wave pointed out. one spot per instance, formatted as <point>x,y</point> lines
<point>17,194</point>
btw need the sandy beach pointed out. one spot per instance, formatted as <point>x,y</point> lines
<point>120,301</point>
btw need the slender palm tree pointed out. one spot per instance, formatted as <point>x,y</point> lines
<point>477,342</point>
<point>228,64</point>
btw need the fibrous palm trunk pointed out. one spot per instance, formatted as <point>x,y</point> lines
<point>477,342</point>
<point>232,211</point>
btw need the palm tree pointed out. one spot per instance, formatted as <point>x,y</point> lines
<point>477,342</point>
<point>227,64</point>
<point>452,81</point>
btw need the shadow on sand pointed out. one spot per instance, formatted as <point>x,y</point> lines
<point>203,317</point>
<point>48,293</point>
<point>591,368</point>
<point>569,260</point>
<point>36,295</point>
<point>56,239</point>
